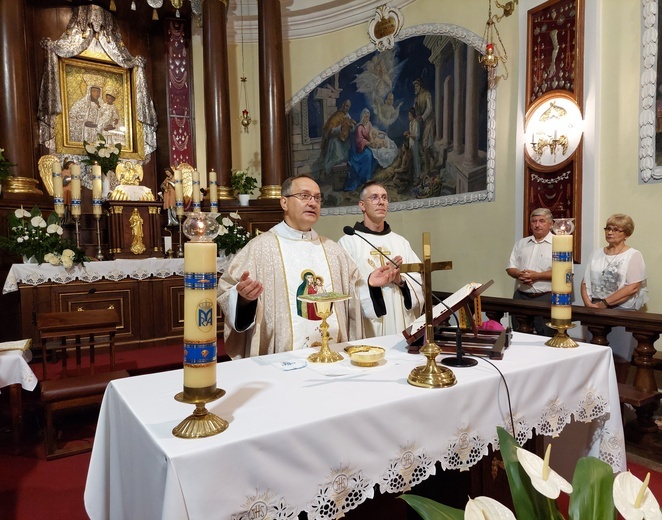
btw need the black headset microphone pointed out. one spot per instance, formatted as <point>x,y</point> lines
<point>459,360</point>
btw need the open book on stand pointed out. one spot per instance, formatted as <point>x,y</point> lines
<point>485,343</point>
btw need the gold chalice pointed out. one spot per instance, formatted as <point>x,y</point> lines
<point>324,308</point>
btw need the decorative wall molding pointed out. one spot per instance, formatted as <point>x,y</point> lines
<point>649,170</point>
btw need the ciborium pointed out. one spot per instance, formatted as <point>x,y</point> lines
<point>324,308</point>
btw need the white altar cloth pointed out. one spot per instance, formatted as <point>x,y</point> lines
<point>114,270</point>
<point>306,440</point>
<point>14,368</point>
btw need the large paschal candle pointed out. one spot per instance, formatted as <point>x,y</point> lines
<point>562,277</point>
<point>199,318</point>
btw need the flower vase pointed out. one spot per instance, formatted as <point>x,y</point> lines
<point>244,198</point>
<point>31,260</point>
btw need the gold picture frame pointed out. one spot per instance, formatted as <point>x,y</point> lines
<point>97,98</point>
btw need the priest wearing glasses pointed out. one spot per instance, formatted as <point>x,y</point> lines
<point>258,292</point>
<point>390,301</point>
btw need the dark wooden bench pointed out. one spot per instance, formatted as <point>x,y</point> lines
<point>645,403</point>
<point>82,389</point>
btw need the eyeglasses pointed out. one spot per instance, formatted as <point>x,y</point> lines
<point>613,229</point>
<point>375,199</point>
<point>305,197</point>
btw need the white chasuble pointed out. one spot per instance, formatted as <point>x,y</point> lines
<point>307,273</point>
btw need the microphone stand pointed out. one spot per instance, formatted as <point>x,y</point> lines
<point>459,360</point>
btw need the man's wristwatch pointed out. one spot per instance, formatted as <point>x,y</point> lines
<point>603,300</point>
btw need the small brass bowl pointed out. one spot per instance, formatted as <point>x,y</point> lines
<point>365,355</point>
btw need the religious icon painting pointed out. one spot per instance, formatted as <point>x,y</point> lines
<point>413,117</point>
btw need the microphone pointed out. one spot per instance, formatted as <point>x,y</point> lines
<point>459,360</point>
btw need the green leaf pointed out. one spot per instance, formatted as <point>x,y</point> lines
<point>591,497</point>
<point>431,510</point>
<point>528,502</point>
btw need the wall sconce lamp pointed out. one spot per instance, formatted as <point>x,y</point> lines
<point>554,129</point>
<point>495,51</point>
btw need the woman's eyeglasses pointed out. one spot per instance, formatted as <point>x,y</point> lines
<point>612,229</point>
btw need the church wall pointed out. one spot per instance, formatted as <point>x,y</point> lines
<point>478,237</point>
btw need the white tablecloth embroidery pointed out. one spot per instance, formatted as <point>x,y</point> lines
<point>14,369</point>
<point>115,270</point>
<point>302,440</point>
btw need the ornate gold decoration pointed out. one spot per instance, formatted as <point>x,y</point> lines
<point>201,423</point>
<point>225,193</point>
<point>46,171</point>
<point>187,178</point>
<point>21,185</point>
<point>561,338</point>
<point>270,192</point>
<point>385,26</point>
<point>128,173</point>
<point>136,223</point>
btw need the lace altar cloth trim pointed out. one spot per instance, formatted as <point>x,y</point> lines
<point>115,270</point>
<point>346,488</point>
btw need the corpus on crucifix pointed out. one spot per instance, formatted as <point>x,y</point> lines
<point>431,375</point>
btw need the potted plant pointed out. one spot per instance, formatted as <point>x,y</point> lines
<point>534,486</point>
<point>243,185</point>
<point>39,240</point>
<point>231,236</point>
<point>5,165</point>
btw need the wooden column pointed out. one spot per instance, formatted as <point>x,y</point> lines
<point>217,100</point>
<point>273,127</point>
<point>15,100</point>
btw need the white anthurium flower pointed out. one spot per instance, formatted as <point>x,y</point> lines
<point>115,150</point>
<point>486,508</point>
<point>104,153</point>
<point>54,228</point>
<point>543,478</point>
<point>235,215</point>
<point>633,499</point>
<point>20,213</point>
<point>227,222</point>
<point>223,231</point>
<point>90,148</point>
<point>38,222</point>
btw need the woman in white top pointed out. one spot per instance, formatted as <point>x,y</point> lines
<point>616,275</point>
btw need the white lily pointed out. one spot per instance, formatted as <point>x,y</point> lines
<point>235,215</point>
<point>633,499</point>
<point>543,478</point>
<point>486,508</point>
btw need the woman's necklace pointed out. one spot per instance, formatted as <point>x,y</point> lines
<point>613,257</point>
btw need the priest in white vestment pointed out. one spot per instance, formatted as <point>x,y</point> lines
<point>390,304</point>
<point>258,292</point>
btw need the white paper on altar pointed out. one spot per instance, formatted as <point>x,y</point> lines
<point>291,431</point>
<point>440,308</point>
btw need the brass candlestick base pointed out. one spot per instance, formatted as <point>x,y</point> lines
<point>180,246</point>
<point>77,222</point>
<point>324,308</point>
<point>561,339</point>
<point>100,256</point>
<point>202,423</point>
<point>431,375</point>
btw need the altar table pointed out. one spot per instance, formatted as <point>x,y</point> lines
<point>319,438</point>
<point>16,374</point>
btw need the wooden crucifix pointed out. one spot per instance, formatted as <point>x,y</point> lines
<point>431,375</point>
